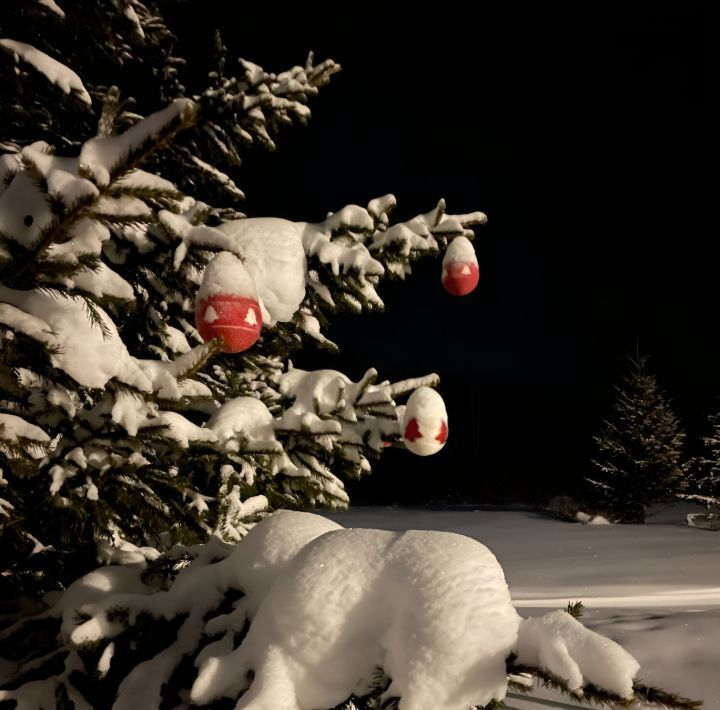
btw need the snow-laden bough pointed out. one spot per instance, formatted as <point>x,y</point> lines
<point>430,608</point>
<point>326,608</point>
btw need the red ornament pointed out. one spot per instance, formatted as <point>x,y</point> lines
<point>460,271</point>
<point>460,279</point>
<point>235,319</point>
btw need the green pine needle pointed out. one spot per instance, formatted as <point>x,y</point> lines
<point>593,696</point>
<point>575,609</point>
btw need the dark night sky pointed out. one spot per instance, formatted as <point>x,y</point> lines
<point>586,138</point>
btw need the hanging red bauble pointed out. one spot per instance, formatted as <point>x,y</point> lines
<point>460,271</point>
<point>227,305</point>
<point>235,319</point>
<point>425,425</point>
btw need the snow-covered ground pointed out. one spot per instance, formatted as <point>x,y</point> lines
<point>654,588</point>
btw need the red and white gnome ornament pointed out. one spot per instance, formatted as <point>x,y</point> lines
<point>425,423</point>
<point>460,271</point>
<point>227,304</point>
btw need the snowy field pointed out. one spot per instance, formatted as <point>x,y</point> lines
<point>654,588</point>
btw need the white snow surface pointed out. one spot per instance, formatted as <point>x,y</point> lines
<point>272,252</point>
<point>55,72</point>
<point>460,250</point>
<point>653,588</point>
<point>226,274</point>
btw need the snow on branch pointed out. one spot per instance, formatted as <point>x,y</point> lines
<point>55,72</point>
<point>427,233</point>
<point>16,433</point>
<point>86,353</point>
<point>404,386</point>
<point>352,249</point>
<point>61,175</point>
<point>218,176</point>
<point>59,209</point>
<point>238,110</point>
<point>101,159</point>
<point>261,101</point>
<point>328,402</point>
<point>183,229</point>
<point>52,6</point>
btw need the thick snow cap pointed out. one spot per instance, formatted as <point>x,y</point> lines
<point>226,274</point>
<point>460,251</point>
<point>273,253</point>
<point>242,416</point>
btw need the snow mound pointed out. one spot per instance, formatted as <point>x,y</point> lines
<point>431,608</point>
<point>226,274</point>
<point>588,519</point>
<point>23,199</point>
<point>268,549</point>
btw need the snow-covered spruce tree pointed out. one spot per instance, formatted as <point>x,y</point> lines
<point>640,449</point>
<point>120,429</point>
<point>702,482</point>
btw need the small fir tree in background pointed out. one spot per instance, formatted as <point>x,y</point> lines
<point>702,482</point>
<point>640,449</point>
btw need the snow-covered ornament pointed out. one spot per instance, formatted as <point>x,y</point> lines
<point>227,304</point>
<point>460,271</point>
<point>425,424</point>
